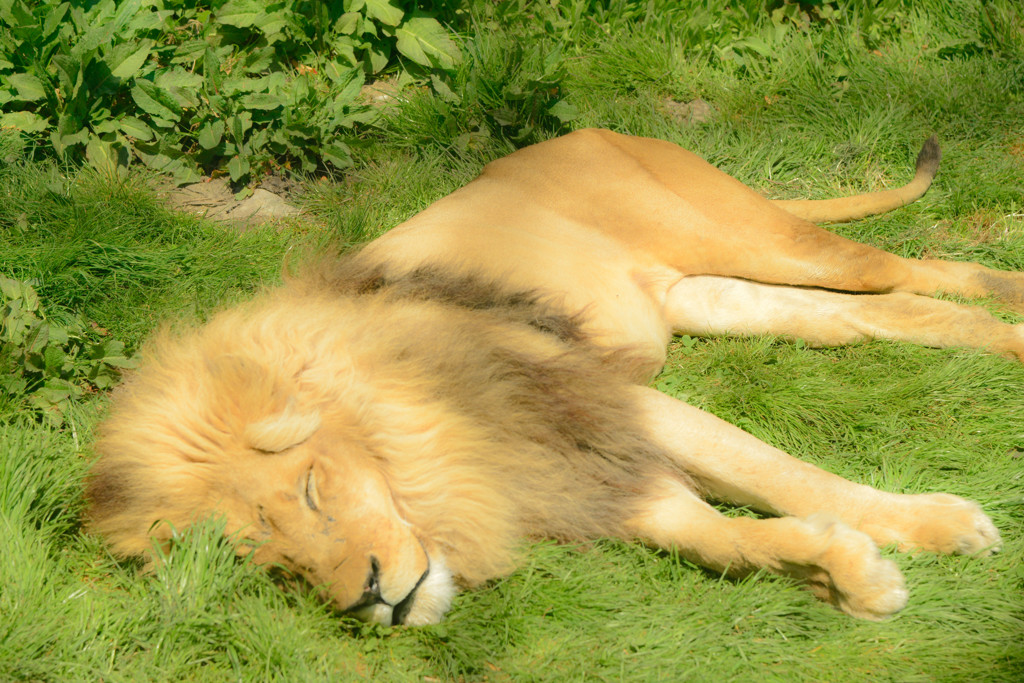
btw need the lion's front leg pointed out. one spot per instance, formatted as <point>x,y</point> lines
<point>735,467</point>
<point>939,522</point>
<point>840,565</point>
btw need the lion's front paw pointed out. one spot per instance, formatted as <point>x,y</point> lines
<point>855,577</point>
<point>955,525</point>
<point>939,522</point>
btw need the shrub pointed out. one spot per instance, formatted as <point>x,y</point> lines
<point>186,86</point>
<point>46,364</point>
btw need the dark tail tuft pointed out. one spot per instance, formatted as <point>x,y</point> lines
<point>928,157</point>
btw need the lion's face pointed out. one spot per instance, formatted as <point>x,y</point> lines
<point>324,511</point>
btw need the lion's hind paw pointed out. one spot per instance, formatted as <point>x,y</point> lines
<point>855,577</point>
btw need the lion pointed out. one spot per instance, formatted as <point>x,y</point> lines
<point>390,425</point>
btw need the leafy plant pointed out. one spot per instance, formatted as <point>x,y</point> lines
<point>509,88</point>
<point>48,364</point>
<point>186,86</point>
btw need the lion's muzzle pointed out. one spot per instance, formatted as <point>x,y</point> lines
<point>426,603</point>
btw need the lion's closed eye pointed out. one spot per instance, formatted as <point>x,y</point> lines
<point>312,497</point>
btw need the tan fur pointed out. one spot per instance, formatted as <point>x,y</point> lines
<point>397,422</point>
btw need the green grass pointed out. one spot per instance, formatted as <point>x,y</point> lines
<point>833,106</point>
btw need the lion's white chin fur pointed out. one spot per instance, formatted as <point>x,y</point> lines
<point>430,602</point>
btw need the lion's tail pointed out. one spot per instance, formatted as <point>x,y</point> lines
<point>858,206</point>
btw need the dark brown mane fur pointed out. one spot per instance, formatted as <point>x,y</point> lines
<point>352,276</point>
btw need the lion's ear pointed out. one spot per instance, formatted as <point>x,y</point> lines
<point>279,432</point>
<point>258,405</point>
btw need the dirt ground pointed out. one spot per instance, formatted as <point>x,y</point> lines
<point>215,200</point>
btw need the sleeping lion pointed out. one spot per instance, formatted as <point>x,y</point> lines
<point>391,425</point>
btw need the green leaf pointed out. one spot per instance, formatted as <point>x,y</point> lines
<point>271,24</point>
<point>563,111</point>
<point>424,41</point>
<point>384,11</point>
<point>135,128</point>
<point>105,157</point>
<point>211,134</point>
<point>37,342</point>
<point>240,124</point>
<point>379,58</point>
<point>756,44</point>
<point>241,13</point>
<point>10,288</point>
<point>238,168</point>
<point>348,24</point>
<point>503,116</point>
<point>28,87</point>
<point>105,125</point>
<point>261,101</point>
<point>53,359</point>
<point>69,74</point>
<point>212,69</point>
<point>443,91</point>
<point>69,133</point>
<point>337,155</point>
<point>103,377</point>
<point>24,121</point>
<point>258,60</point>
<point>125,66</point>
<point>56,390</point>
<point>57,334</point>
<point>344,75</point>
<point>350,84</point>
<point>177,77</point>
<point>112,353</point>
<point>155,100</point>
<point>19,18</point>
<point>144,22</point>
<point>16,289</point>
<point>12,384</point>
<point>161,156</point>
<point>54,18</point>
<point>102,30</point>
<point>184,172</point>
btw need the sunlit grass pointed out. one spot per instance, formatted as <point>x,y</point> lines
<point>829,109</point>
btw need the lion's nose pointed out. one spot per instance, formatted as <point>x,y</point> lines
<point>371,590</point>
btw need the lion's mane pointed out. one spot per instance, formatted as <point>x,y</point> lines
<point>491,416</point>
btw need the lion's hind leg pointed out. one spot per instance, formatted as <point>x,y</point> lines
<point>840,565</point>
<point>705,305</point>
